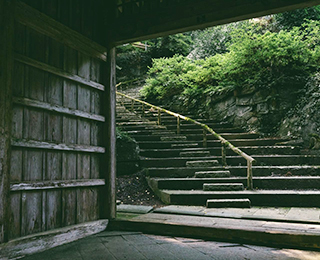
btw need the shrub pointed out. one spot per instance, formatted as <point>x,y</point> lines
<point>260,60</point>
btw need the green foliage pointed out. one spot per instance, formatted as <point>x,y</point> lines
<point>122,136</point>
<point>133,62</point>
<point>253,59</point>
<point>171,45</point>
<point>214,40</point>
<point>296,18</point>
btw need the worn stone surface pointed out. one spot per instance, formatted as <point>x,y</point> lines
<point>212,174</point>
<point>134,208</point>
<point>222,186</point>
<point>228,203</point>
<point>203,163</point>
<point>127,245</point>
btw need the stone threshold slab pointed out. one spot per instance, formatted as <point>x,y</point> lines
<point>257,232</point>
<point>200,213</point>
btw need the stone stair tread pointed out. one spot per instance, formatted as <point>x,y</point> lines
<point>228,203</point>
<point>222,186</point>
<point>202,163</point>
<point>185,145</point>
<point>212,174</point>
<point>244,192</point>
<point>173,138</point>
<point>194,153</point>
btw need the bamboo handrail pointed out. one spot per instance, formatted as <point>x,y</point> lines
<point>206,128</point>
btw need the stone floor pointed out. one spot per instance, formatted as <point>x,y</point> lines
<point>134,246</point>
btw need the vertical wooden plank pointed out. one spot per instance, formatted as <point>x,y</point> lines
<point>15,224</point>
<point>33,129</point>
<point>108,171</point>
<point>69,160</point>
<point>6,68</point>
<point>54,127</point>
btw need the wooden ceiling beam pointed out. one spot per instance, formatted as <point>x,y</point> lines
<point>196,15</point>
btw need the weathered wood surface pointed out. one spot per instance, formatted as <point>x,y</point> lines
<point>49,27</point>
<point>58,109</point>
<point>56,127</point>
<point>45,67</point>
<point>32,244</point>
<point>154,21</point>
<point>60,147</point>
<point>6,72</point>
<point>108,205</point>
<point>56,184</point>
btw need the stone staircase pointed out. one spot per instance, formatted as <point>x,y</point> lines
<point>181,171</point>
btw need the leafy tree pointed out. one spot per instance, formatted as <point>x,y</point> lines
<point>171,45</point>
<point>214,40</point>
<point>296,18</point>
<point>253,59</point>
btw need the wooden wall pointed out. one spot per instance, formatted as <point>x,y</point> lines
<point>57,149</point>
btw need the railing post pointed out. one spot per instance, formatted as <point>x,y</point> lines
<point>143,114</point>
<point>178,125</point>
<point>159,117</point>
<point>132,103</point>
<point>223,154</point>
<point>205,143</point>
<point>249,175</point>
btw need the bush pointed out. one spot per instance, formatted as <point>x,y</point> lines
<point>259,60</point>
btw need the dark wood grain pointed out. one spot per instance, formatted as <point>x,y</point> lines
<point>6,69</point>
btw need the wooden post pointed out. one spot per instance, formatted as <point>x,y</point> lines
<point>178,125</point>
<point>159,117</point>
<point>249,175</point>
<point>132,104</point>
<point>205,143</point>
<point>223,154</point>
<point>6,71</point>
<point>143,112</point>
<point>108,196</point>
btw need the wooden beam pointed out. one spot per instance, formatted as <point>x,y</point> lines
<point>60,147</point>
<point>58,109</point>
<point>108,197</point>
<point>6,71</point>
<point>39,242</point>
<point>196,15</point>
<point>61,33</point>
<point>58,72</point>
<point>61,184</point>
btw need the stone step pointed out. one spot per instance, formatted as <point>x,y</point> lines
<point>262,160</point>
<point>202,163</point>
<point>274,198</point>
<point>185,145</point>
<point>212,174</point>
<point>228,203</point>
<point>216,151</point>
<point>162,133</point>
<point>222,186</point>
<point>210,143</point>
<point>189,131</point>
<point>195,154</point>
<point>214,126</point>
<point>241,171</point>
<point>137,123</point>
<point>228,136</point>
<point>263,183</point>
<point>169,138</point>
<point>146,162</point>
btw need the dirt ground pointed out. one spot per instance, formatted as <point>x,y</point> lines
<point>134,190</point>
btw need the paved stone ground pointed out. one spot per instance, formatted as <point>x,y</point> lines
<point>134,246</point>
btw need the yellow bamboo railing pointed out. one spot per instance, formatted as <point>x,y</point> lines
<point>206,129</point>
